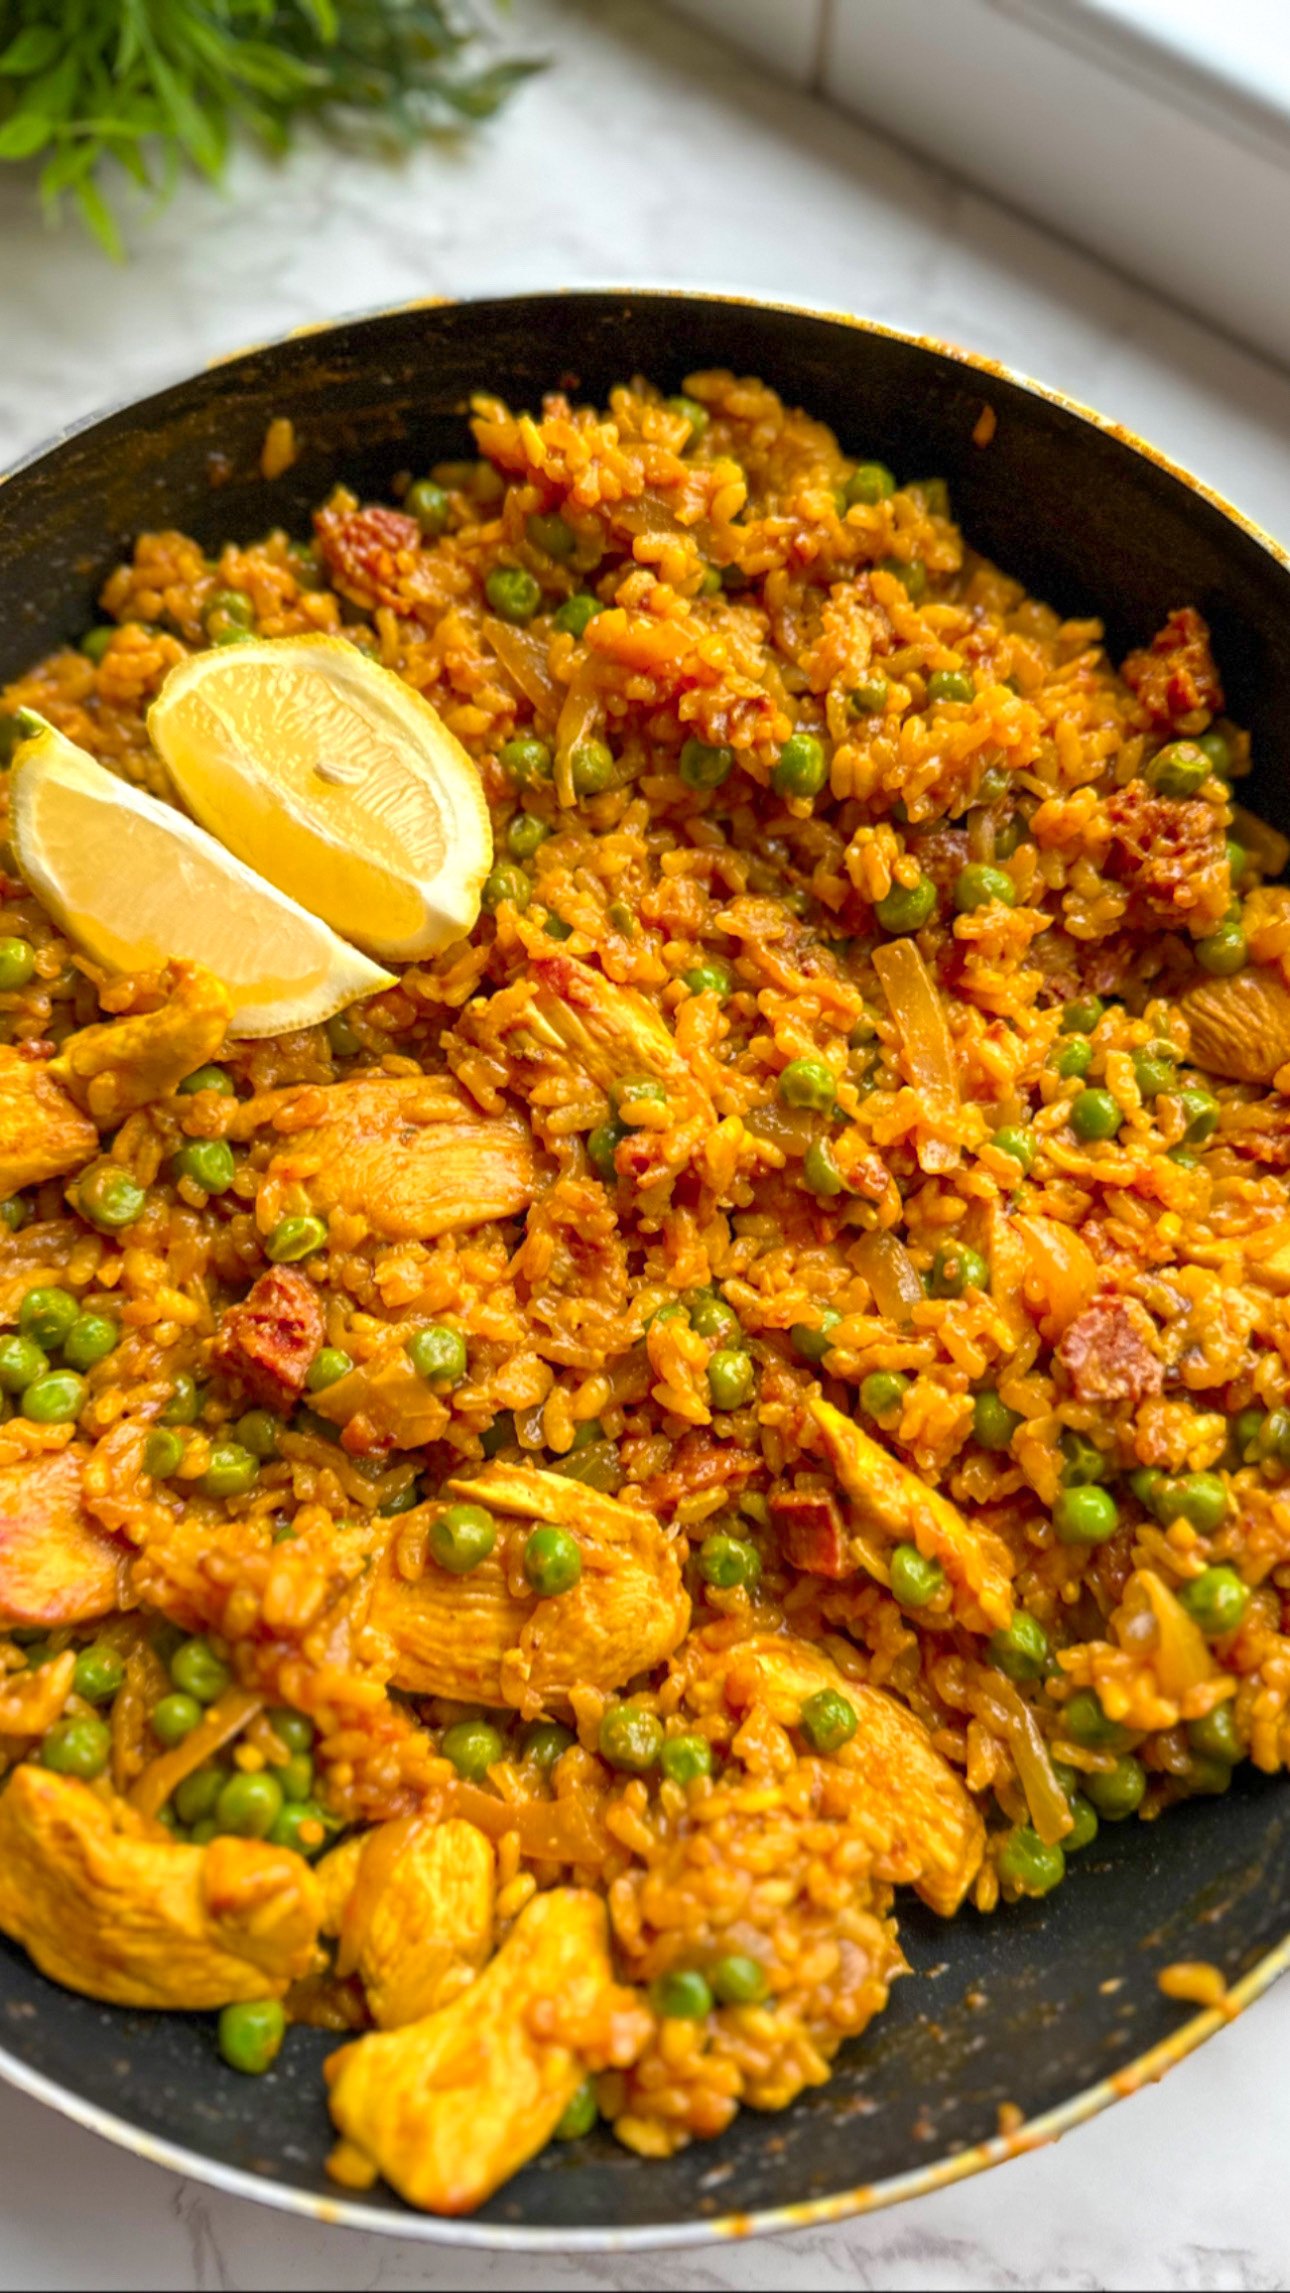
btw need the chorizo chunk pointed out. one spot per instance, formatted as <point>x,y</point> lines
<point>1174,676</point>
<point>1168,854</point>
<point>266,1344</point>
<point>812,1531</point>
<point>362,550</point>
<point>1107,1352</point>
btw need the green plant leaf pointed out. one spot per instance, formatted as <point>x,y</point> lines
<point>33,50</point>
<point>24,135</point>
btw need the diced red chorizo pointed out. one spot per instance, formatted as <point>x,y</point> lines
<point>1169,855</point>
<point>1174,677</point>
<point>266,1344</point>
<point>699,1463</point>
<point>361,549</point>
<point>812,1531</point>
<point>1108,1355</point>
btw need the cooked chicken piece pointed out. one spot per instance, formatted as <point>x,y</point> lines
<point>1240,1026</point>
<point>417,1922</point>
<point>384,1404</point>
<point>925,1830</point>
<point>411,1155</point>
<point>337,1875</point>
<point>111,1911</point>
<point>30,1702</point>
<point>449,2107</point>
<point>893,1505</point>
<point>127,1063</point>
<point>42,1131</point>
<point>471,1639</point>
<point>56,1567</point>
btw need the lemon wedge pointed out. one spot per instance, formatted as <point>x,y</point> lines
<point>136,883</point>
<point>335,780</point>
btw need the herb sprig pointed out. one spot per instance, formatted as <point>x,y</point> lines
<point>149,85</point>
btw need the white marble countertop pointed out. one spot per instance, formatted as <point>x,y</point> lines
<point>650,155</point>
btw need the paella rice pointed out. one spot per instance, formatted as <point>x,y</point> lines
<point>754,1380</point>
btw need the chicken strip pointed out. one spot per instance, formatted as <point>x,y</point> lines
<point>56,1566</point>
<point>42,1131</point>
<point>105,1907</point>
<point>472,1639</point>
<point>450,2107</point>
<point>892,1504</point>
<point>1240,1026</point>
<point>409,1154</point>
<point>417,1920</point>
<point>122,1064</point>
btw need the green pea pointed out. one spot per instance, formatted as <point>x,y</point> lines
<point>249,1805</point>
<point>91,1338</point>
<point>911,572</point>
<point>258,1432</point>
<point>184,1404</point>
<point>100,1671</point>
<point>343,1036</point>
<point>808,1083</point>
<point>230,608</point>
<point>251,2035</point>
<point>882,1392</point>
<point>703,767</point>
<point>712,1318</point>
<point>1020,1144</point>
<point>1027,1864</point>
<point>1020,1650</point>
<point>712,977</point>
<point>513,593</point>
<point>907,907</point>
<point>827,1720</point>
<point>1119,1791</point>
<point>506,883</point>
<point>696,415</point>
<point>17,963</point>
<point>545,1743</point>
<point>1153,1069</point>
<point>199,1672</point>
<point>1216,1736</point>
<point>812,1340</point>
<point>1243,1436</point>
<point>1198,1498</point>
<point>915,1580</point>
<point>685,1758</point>
<point>681,1996</point>
<point>592,768</point>
<point>1085,1516</point>
<point>1184,1158</point>
<point>738,1980</point>
<point>802,769</point>
<point>576,611</point>
<point>428,504</point>
<point>993,1423</point>
<point>295,1778</point>
<point>1095,1114</point>
<point>1073,1058</point>
<point>524,835</point>
<point>95,642</point>
<point>602,1148</point>
<point>1224,951</point>
<point>295,1238</point>
<point>869,697</point>
<point>644,1090</point>
<point>552,1562</point>
<point>579,2115</point>
<point>108,1196</point>
<point>77,1747</point>
<point>329,1365</point>
<point>1084,1825</point>
<point>301,1826</point>
<point>820,1170</point>
<point>956,1268</point>
<point>630,1738</point>
<point>1219,751</point>
<point>1238,860</point>
<point>731,1379</point>
<point>175,1717</point>
<point>208,1163</point>
<point>231,1472</point>
<point>215,1079</point>
<point>1145,1483</point>
<point>22,1362</point>
<point>1081,1017</point>
<point>163,1453</point>
<point>1085,1722</point>
<point>294,1729</point>
<point>952,685</point>
<point>463,1537</point>
<point>197,1795</point>
<point>438,1354</point>
<point>1082,1460</point>
<point>869,482</point>
<point>552,534</point>
<point>526,758</point>
<point>1274,1438</point>
<point>1180,769</point>
<point>1200,1107</point>
<point>500,1434</point>
<point>725,1562</point>
<point>55,1399</point>
<point>13,1213</point>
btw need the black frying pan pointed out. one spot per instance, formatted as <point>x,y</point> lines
<point>1051,2007</point>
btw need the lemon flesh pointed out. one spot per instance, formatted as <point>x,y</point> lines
<point>336,781</point>
<point>135,883</point>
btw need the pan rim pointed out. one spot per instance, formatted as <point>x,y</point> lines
<point>1035,2133</point>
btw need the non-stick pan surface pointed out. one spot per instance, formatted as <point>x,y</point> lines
<point>1050,2008</point>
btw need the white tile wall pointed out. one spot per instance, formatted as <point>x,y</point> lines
<point>784,33</point>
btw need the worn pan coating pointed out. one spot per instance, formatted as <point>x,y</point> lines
<point>1053,2007</point>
